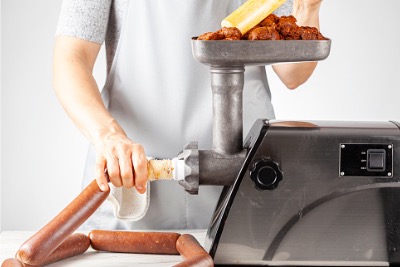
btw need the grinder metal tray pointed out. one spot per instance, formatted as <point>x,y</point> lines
<point>259,52</point>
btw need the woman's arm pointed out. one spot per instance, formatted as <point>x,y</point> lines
<point>295,74</point>
<point>79,94</point>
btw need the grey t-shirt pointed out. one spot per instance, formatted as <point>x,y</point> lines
<point>100,21</point>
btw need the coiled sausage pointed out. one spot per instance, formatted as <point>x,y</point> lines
<point>193,253</point>
<point>74,245</point>
<point>12,263</point>
<point>36,249</point>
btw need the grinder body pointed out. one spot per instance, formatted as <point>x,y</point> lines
<point>312,193</point>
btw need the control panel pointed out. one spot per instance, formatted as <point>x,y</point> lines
<point>366,160</point>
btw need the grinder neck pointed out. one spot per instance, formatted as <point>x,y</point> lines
<point>220,165</point>
<point>227,90</point>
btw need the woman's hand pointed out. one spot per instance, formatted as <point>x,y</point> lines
<point>122,161</point>
<point>307,12</point>
<point>293,75</point>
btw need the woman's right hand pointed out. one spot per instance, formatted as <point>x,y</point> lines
<point>122,161</point>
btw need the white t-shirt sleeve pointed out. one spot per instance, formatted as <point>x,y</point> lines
<point>84,19</point>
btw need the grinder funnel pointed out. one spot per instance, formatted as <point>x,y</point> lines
<point>227,61</point>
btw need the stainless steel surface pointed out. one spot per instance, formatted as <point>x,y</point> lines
<point>227,90</point>
<point>314,216</point>
<point>190,155</point>
<point>227,61</point>
<point>216,168</point>
<point>245,53</point>
<point>219,169</point>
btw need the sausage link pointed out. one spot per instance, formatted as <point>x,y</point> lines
<point>197,261</point>
<point>36,249</point>
<point>188,246</point>
<point>134,242</point>
<point>12,263</point>
<point>75,244</point>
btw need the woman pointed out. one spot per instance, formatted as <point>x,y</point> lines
<point>157,98</point>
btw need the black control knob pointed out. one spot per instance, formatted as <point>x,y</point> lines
<point>266,175</point>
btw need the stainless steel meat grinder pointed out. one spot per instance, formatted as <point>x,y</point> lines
<point>307,193</point>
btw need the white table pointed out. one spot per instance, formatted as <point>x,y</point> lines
<point>10,241</point>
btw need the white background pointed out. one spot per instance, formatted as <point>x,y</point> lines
<point>43,154</point>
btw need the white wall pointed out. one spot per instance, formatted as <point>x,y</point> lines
<point>360,79</point>
<point>0,117</point>
<point>43,153</point>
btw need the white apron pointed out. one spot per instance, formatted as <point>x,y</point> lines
<point>162,98</point>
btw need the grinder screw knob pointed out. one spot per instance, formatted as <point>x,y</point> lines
<point>266,175</point>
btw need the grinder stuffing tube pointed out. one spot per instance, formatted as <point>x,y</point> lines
<point>163,169</point>
<point>166,169</point>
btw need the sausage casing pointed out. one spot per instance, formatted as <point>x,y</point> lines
<point>188,246</point>
<point>74,245</point>
<point>12,263</point>
<point>193,253</point>
<point>36,249</point>
<point>134,242</point>
<point>197,261</point>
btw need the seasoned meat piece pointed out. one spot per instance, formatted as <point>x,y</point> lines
<point>222,34</point>
<point>286,19</point>
<point>231,33</point>
<point>246,35</point>
<point>263,33</point>
<point>309,33</point>
<point>287,26</point>
<point>293,34</point>
<point>321,37</point>
<point>269,21</point>
<point>211,36</point>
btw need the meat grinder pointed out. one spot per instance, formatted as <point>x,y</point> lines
<point>298,193</point>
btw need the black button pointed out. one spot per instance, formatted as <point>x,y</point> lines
<point>267,176</point>
<point>376,160</point>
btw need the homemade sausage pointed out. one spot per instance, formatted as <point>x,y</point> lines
<point>12,263</point>
<point>75,244</point>
<point>193,253</point>
<point>134,242</point>
<point>36,249</point>
<point>197,261</point>
<point>188,246</point>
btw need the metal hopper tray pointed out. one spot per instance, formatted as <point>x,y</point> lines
<point>244,53</point>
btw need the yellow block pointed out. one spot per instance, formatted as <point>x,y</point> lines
<point>251,13</point>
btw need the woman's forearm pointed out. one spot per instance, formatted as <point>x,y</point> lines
<point>77,90</point>
<point>294,74</point>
